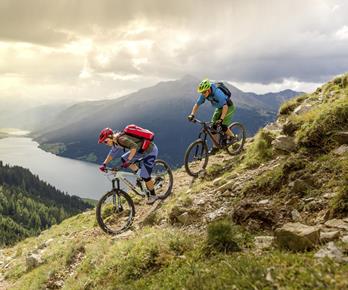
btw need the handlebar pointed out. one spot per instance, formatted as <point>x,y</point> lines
<point>200,122</point>
<point>118,168</point>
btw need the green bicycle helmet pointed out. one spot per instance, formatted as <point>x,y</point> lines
<point>203,86</point>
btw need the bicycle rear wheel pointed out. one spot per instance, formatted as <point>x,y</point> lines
<point>235,145</point>
<point>163,179</point>
<point>196,157</point>
<point>115,212</point>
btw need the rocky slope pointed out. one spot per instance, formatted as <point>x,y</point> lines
<point>274,217</point>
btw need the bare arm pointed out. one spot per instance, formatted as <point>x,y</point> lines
<point>108,159</point>
<point>194,109</point>
<point>132,153</point>
<point>224,112</point>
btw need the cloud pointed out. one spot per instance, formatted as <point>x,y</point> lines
<point>88,47</point>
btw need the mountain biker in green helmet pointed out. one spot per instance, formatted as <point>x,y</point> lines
<point>224,108</point>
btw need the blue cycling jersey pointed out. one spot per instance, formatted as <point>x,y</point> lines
<point>217,98</point>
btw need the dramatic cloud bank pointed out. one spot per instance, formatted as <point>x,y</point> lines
<point>89,49</point>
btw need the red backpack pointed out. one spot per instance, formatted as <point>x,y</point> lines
<point>141,133</point>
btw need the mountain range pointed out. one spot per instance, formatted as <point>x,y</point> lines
<point>162,108</point>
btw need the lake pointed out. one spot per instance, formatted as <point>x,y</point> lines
<point>68,175</point>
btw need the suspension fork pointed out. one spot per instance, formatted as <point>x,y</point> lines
<point>115,191</point>
<point>204,133</point>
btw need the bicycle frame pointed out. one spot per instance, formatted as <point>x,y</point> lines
<point>205,131</point>
<point>118,178</point>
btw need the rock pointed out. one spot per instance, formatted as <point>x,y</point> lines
<point>341,137</point>
<point>308,199</point>
<point>45,244</point>
<point>329,195</point>
<point>274,126</point>
<point>332,252</point>
<point>264,242</point>
<point>220,212</point>
<point>297,236</point>
<point>227,185</point>
<point>284,143</point>
<point>199,201</point>
<point>345,239</point>
<point>289,128</point>
<point>299,186</point>
<point>255,216</point>
<point>217,181</point>
<point>185,218</point>
<point>32,261</point>
<point>329,236</point>
<point>296,216</point>
<point>337,223</point>
<point>343,149</point>
<point>302,109</point>
<point>264,201</point>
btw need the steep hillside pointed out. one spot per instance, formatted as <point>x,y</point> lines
<point>162,108</point>
<point>29,205</point>
<point>274,217</point>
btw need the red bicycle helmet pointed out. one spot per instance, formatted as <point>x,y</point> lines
<point>105,133</point>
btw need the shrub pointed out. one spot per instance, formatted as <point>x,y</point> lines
<point>221,237</point>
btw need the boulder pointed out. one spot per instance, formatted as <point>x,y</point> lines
<point>284,143</point>
<point>297,236</point>
<point>337,223</point>
<point>332,252</point>
<point>329,236</point>
<point>32,261</point>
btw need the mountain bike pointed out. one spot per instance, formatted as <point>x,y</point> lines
<point>196,155</point>
<point>115,210</point>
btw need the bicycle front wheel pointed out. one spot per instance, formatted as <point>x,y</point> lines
<point>235,145</point>
<point>196,157</point>
<point>115,212</point>
<point>163,179</point>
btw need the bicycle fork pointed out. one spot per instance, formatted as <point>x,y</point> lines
<point>116,200</point>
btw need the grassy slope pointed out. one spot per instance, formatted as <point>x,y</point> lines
<point>169,256</point>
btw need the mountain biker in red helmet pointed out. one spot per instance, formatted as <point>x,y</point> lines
<point>117,140</point>
<point>224,108</point>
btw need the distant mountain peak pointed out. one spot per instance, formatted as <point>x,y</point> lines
<point>190,78</point>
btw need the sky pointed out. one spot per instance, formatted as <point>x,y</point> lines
<point>75,50</point>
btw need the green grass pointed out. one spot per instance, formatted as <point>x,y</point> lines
<point>260,150</point>
<point>321,124</point>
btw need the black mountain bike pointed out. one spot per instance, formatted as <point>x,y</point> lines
<point>115,210</point>
<point>196,155</point>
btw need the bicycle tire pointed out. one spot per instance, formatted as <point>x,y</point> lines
<point>241,139</point>
<point>102,221</point>
<point>169,189</point>
<point>188,164</point>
